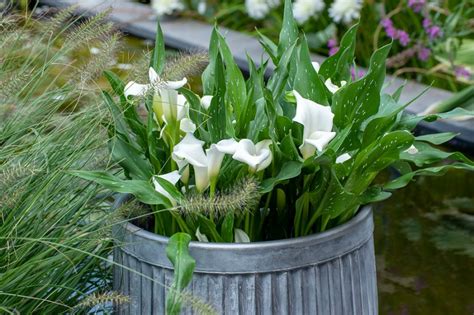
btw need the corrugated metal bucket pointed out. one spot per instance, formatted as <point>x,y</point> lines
<point>327,273</point>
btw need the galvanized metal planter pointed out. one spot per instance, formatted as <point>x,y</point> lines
<point>327,273</point>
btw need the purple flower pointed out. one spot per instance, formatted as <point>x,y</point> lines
<point>423,53</point>
<point>333,50</point>
<point>416,5</point>
<point>403,37</point>
<point>389,28</point>
<point>386,22</point>
<point>358,75</point>
<point>332,45</point>
<point>434,32</point>
<point>462,72</point>
<point>426,23</point>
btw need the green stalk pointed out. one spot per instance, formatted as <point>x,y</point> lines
<point>457,100</point>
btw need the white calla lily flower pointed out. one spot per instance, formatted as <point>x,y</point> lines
<point>332,87</point>
<point>317,121</point>
<point>228,146</point>
<point>165,101</point>
<point>206,101</point>
<point>173,178</point>
<point>207,164</point>
<point>185,123</point>
<point>343,158</point>
<point>256,156</point>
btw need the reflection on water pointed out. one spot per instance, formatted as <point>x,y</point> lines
<point>424,242</point>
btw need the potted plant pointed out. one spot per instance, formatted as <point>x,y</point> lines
<point>258,187</point>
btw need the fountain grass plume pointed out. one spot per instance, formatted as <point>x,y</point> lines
<point>101,299</point>
<point>240,198</point>
<point>185,65</point>
<point>92,69</point>
<point>196,304</point>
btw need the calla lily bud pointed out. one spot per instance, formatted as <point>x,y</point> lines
<point>281,199</point>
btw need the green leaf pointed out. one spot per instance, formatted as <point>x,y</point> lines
<point>269,46</point>
<point>404,180</point>
<point>158,57</point>
<point>227,228</point>
<point>289,30</point>
<point>376,157</point>
<point>217,123</point>
<point>260,121</point>
<point>307,81</point>
<point>236,91</point>
<point>411,121</point>
<point>437,138</point>
<point>117,116</point>
<point>116,83</point>
<point>288,148</point>
<point>359,100</point>
<point>208,76</point>
<point>177,252</point>
<point>374,194</point>
<point>335,202</point>
<point>337,66</point>
<point>289,170</point>
<point>170,188</point>
<point>141,189</point>
<point>131,159</point>
<point>427,154</point>
<point>280,76</point>
<point>209,228</point>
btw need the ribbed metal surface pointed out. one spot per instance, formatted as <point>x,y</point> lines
<point>342,284</point>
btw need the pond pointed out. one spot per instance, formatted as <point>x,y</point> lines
<point>424,243</point>
<point>424,240</point>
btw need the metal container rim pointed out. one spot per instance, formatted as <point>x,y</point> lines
<point>363,214</point>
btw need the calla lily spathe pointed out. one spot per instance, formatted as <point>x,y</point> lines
<point>317,121</point>
<point>173,178</point>
<point>206,101</point>
<point>207,164</point>
<point>256,156</point>
<point>165,101</point>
